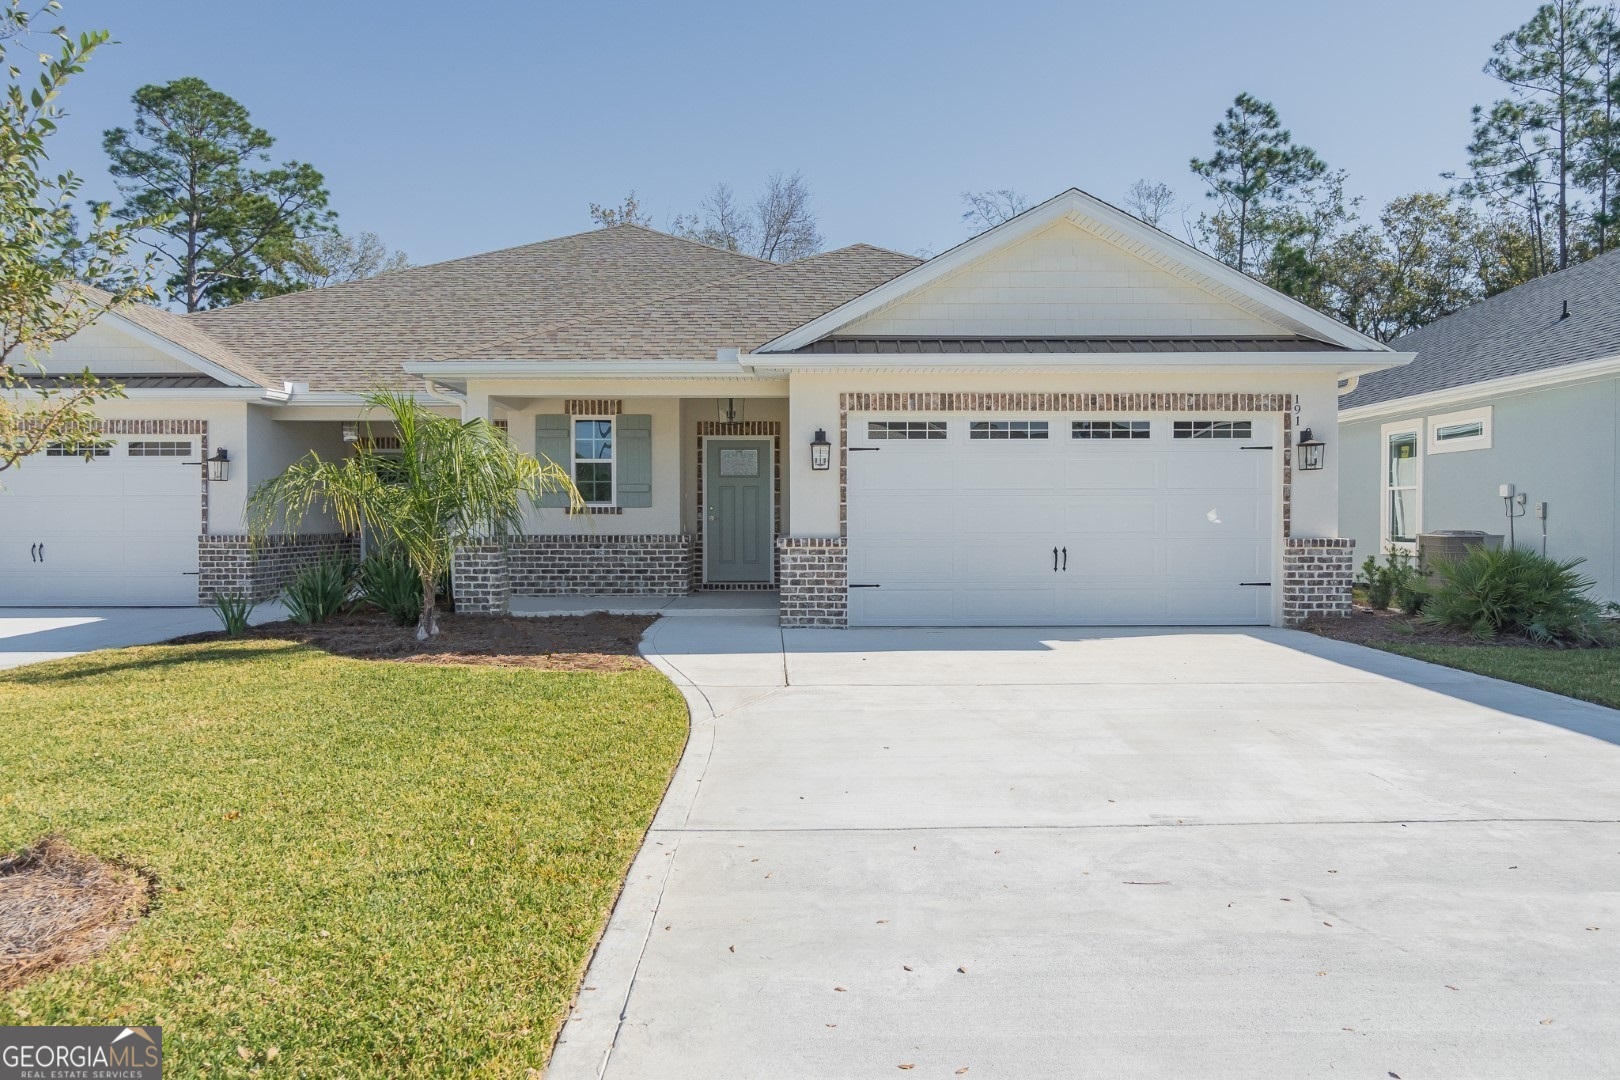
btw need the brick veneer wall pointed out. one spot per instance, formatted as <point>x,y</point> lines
<point>232,563</point>
<point>546,565</point>
<point>813,579</point>
<point>1317,576</point>
<point>480,580</point>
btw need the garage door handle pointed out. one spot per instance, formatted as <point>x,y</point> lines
<point>1065,560</point>
<point>1054,560</point>
<point>1261,584</point>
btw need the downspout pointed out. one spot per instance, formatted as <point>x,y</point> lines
<point>445,396</point>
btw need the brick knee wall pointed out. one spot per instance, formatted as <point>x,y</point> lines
<point>1317,576</point>
<point>550,565</point>
<point>232,564</point>
<point>480,579</point>
<point>813,579</point>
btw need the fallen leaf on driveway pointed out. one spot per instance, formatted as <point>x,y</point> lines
<point>1450,987</point>
<point>906,966</point>
<point>838,989</point>
<point>964,1068</point>
<point>1544,1022</point>
<point>908,1065</point>
<point>963,970</point>
<point>733,948</point>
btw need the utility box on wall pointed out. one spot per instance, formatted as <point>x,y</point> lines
<point>1453,544</point>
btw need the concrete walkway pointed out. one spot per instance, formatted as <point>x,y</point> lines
<point>1134,853</point>
<point>29,635</point>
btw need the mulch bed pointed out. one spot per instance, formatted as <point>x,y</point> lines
<point>596,642</point>
<point>1368,627</point>
<point>59,906</point>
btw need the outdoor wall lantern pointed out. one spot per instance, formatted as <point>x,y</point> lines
<point>351,431</point>
<point>820,451</point>
<point>219,466</point>
<point>1310,451</point>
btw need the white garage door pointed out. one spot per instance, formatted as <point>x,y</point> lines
<point>1060,520</point>
<point>120,530</point>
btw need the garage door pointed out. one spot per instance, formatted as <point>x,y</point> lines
<point>1060,520</point>
<point>119,530</point>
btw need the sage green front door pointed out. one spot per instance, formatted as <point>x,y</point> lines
<point>737,510</point>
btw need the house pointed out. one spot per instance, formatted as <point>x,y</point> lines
<point>1522,388</point>
<point>1072,418</point>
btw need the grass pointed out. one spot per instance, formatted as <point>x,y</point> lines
<point>1588,674</point>
<point>363,868</point>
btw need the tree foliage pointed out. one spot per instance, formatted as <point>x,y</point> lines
<point>778,225</point>
<point>1260,180</point>
<point>628,212</point>
<point>330,258</point>
<point>1152,201</point>
<point>450,484</point>
<point>197,172</point>
<point>987,209</point>
<point>44,247</point>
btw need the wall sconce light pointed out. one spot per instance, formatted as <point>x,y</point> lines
<point>820,451</point>
<point>351,431</point>
<point>219,466</point>
<point>1311,451</point>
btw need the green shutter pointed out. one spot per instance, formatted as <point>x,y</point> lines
<point>553,439</point>
<point>633,469</point>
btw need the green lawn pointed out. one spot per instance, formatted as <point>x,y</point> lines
<point>1588,674</point>
<point>374,868</point>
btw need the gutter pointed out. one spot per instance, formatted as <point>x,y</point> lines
<point>1036,362</point>
<point>1525,382</point>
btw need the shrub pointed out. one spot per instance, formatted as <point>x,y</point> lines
<point>319,590</point>
<point>1398,581</point>
<point>1517,591</point>
<point>389,583</point>
<point>233,610</point>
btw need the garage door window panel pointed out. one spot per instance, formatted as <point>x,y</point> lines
<point>146,448</point>
<point>1213,429</point>
<point>1110,429</point>
<point>906,430</point>
<point>1003,430</point>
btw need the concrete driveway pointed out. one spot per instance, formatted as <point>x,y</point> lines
<point>1025,853</point>
<point>29,635</point>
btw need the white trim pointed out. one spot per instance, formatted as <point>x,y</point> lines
<point>1109,224</point>
<point>1458,444</point>
<point>1458,395</point>
<point>1413,427</point>
<point>571,369</point>
<point>1344,363</point>
<point>770,505</point>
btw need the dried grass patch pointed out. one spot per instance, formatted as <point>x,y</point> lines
<point>59,906</point>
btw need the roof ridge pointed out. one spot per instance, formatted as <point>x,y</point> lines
<point>440,264</point>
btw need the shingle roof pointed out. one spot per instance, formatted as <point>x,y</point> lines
<point>176,329</point>
<point>140,380</point>
<point>355,336</point>
<point>743,312</point>
<point>862,346</point>
<point>1518,331</point>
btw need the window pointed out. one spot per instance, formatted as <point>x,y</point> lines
<point>57,449</point>
<point>1214,429</point>
<point>1007,429</point>
<point>1110,429</point>
<point>1451,433</point>
<point>905,429</point>
<point>593,461</point>
<point>1403,481</point>
<point>159,449</point>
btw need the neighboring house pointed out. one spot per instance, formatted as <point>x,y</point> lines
<point>1521,389</point>
<point>1071,418</point>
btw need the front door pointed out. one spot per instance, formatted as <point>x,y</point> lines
<point>737,510</point>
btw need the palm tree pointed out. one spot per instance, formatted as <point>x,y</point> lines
<point>450,483</point>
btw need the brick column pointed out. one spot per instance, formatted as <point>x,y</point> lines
<point>480,580</point>
<point>813,581</point>
<point>1317,575</point>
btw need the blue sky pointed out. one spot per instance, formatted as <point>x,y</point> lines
<point>453,129</point>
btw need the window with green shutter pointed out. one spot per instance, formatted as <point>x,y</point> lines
<point>608,458</point>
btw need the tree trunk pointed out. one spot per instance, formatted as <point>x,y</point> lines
<point>428,625</point>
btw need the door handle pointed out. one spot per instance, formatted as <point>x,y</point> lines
<point>33,553</point>
<point>1065,560</point>
<point>42,553</point>
<point>1054,560</point>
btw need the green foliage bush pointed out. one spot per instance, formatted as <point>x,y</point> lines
<point>388,582</point>
<point>320,590</point>
<point>233,610</point>
<point>1517,591</point>
<point>1399,581</point>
